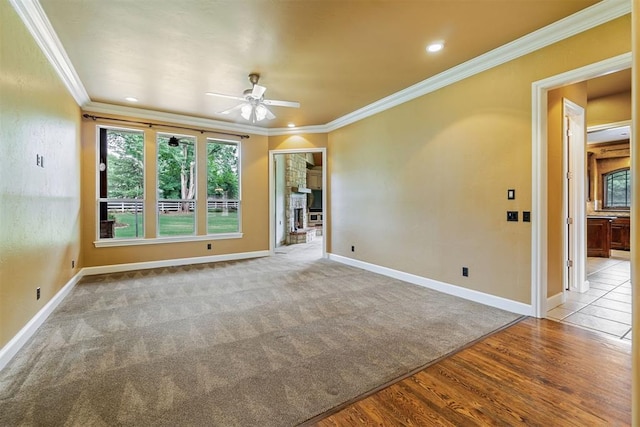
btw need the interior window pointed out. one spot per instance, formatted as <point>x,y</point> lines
<point>617,189</point>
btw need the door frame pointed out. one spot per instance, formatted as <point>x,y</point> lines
<point>539,241</point>
<point>272,190</point>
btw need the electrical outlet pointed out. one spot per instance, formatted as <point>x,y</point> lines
<point>526,216</point>
<point>465,271</point>
<point>73,263</point>
<point>208,246</point>
<point>353,248</point>
<point>37,293</point>
<point>512,216</point>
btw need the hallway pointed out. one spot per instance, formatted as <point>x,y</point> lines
<point>606,306</point>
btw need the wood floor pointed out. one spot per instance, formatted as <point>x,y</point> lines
<point>536,372</point>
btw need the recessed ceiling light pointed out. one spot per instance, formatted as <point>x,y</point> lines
<point>435,47</point>
<point>131,99</point>
<point>291,125</point>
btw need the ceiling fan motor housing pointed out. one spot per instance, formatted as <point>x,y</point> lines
<point>253,78</point>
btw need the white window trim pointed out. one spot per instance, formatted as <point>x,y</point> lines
<point>97,175</point>
<point>239,199</point>
<point>194,200</point>
<point>162,240</point>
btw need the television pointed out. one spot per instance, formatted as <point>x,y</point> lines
<point>314,201</point>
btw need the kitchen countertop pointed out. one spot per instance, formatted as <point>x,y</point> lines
<point>609,214</point>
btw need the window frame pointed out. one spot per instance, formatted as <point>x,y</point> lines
<point>238,145</point>
<point>605,190</point>
<point>194,201</point>
<point>151,203</point>
<point>113,241</point>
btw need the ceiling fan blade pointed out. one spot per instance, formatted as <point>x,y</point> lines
<point>276,103</point>
<point>232,109</point>
<point>222,95</point>
<point>270,115</point>
<point>258,91</point>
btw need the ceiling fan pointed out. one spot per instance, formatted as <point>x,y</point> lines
<point>254,106</point>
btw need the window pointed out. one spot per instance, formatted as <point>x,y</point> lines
<point>176,185</point>
<point>121,184</point>
<point>223,187</point>
<point>617,189</point>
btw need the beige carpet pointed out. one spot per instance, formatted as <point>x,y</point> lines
<point>263,342</point>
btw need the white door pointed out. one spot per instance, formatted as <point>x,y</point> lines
<point>575,197</point>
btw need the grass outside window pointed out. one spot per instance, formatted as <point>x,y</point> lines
<point>176,224</point>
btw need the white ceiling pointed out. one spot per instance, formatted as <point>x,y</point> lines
<point>333,56</point>
<point>616,133</point>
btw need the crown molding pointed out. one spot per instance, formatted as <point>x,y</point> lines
<point>40,28</point>
<point>197,122</point>
<point>586,19</point>
<point>298,130</point>
<point>161,116</point>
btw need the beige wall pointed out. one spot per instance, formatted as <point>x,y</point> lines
<point>422,187</point>
<point>577,94</point>
<point>39,207</point>
<point>609,109</point>
<point>254,196</point>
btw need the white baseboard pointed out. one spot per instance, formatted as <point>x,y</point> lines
<point>469,294</point>
<point>118,268</point>
<point>15,344</point>
<point>555,300</point>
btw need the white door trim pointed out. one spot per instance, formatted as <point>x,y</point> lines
<point>539,241</point>
<point>272,203</point>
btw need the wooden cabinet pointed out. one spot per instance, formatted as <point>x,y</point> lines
<point>314,179</point>
<point>599,237</point>
<point>621,234</point>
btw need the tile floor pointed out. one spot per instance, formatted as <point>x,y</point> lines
<point>606,306</point>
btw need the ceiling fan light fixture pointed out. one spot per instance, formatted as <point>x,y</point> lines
<point>245,111</point>
<point>261,112</point>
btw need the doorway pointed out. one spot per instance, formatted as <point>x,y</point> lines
<point>297,202</point>
<point>539,237</point>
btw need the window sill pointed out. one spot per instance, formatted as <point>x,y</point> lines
<point>106,243</point>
